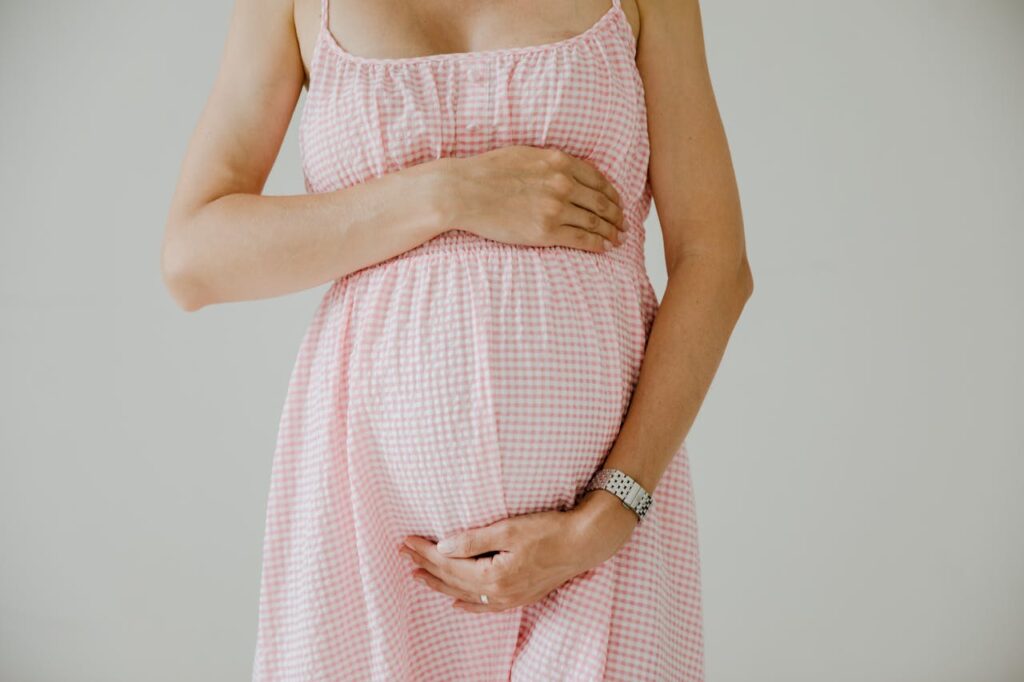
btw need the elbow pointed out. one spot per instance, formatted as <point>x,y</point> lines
<point>179,276</point>
<point>746,280</point>
<point>730,274</point>
<point>742,284</point>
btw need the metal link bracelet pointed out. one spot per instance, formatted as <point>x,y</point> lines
<point>624,487</point>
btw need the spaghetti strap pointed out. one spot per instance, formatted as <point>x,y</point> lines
<point>377,441</point>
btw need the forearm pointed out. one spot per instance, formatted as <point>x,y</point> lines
<point>248,246</point>
<point>702,302</point>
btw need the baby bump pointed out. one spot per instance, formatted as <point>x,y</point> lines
<point>487,380</point>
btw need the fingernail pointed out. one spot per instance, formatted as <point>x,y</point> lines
<point>446,546</point>
<point>608,245</point>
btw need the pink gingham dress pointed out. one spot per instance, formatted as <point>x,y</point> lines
<point>465,381</point>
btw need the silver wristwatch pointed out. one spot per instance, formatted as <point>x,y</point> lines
<point>623,486</point>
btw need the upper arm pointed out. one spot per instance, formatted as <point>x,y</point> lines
<point>691,172</point>
<point>248,110</point>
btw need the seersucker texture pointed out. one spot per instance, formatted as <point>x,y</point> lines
<point>467,380</point>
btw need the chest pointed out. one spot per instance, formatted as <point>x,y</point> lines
<point>364,117</point>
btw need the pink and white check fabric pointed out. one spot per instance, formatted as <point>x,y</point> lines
<point>465,381</point>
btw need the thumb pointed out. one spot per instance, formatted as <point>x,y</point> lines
<point>472,542</point>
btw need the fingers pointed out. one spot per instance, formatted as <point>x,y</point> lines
<point>463,600</point>
<point>478,607</point>
<point>586,209</point>
<point>443,579</point>
<point>583,219</point>
<point>599,204</point>
<point>465,574</point>
<point>495,537</point>
<point>433,582</point>
<point>578,238</point>
<point>587,174</point>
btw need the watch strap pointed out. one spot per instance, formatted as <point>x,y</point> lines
<point>623,486</point>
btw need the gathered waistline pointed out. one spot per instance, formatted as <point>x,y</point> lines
<point>455,241</point>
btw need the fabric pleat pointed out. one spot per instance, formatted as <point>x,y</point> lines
<point>465,381</point>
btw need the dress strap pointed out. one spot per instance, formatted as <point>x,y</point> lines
<point>324,7</point>
<point>615,3</point>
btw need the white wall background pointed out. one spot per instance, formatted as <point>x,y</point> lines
<point>859,461</point>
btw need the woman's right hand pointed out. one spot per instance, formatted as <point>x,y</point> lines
<point>534,196</point>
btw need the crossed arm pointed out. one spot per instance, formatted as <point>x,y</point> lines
<point>709,282</point>
<point>226,242</point>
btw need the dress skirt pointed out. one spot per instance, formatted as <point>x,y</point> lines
<point>456,384</point>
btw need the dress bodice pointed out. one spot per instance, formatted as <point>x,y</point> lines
<point>364,117</point>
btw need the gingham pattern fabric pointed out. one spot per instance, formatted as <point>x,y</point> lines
<point>467,380</point>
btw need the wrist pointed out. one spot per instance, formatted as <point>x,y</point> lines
<point>599,513</point>
<point>446,195</point>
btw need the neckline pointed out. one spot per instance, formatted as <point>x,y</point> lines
<point>326,36</point>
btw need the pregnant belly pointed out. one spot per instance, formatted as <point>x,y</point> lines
<point>481,380</point>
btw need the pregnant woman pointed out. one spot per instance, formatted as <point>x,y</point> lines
<point>486,367</point>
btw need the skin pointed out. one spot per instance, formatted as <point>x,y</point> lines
<point>225,241</point>
<point>709,283</point>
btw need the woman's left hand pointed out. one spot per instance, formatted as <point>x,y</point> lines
<point>533,554</point>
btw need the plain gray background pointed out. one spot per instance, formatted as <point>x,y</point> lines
<point>859,460</point>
